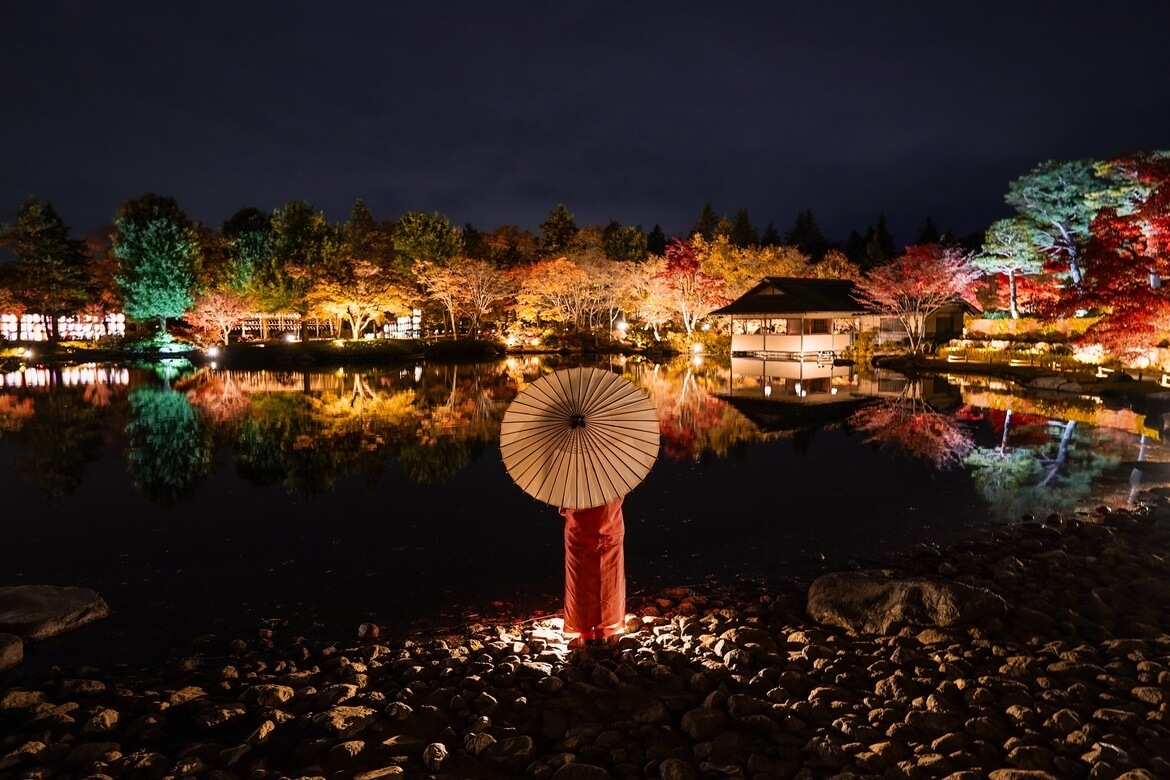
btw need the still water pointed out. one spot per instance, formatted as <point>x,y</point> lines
<point>204,501</point>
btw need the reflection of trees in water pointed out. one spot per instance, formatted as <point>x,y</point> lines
<point>694,423</point>
<point>910,425</point>
<point>1040,466</point>
<point>170,445</point>
<point>62,437</point>
<point>15,412</point>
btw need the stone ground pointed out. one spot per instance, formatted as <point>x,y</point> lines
<point>1073,681</point>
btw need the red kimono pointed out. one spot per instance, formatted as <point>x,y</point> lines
<point>595,571</point>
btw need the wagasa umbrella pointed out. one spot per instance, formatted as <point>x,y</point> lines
<point>579,438</point>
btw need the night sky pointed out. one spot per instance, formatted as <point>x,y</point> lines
<point>493,113</point>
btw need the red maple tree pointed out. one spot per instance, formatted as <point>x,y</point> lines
<point>917,284</point>
<point>1129,258</point>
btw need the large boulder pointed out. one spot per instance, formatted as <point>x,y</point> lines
<point>35,612</point>
<point>11,651</point>
<point>868,604</point>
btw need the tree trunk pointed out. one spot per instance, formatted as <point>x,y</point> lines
<point>162,325</point>
<point>454,334</point>
<point>1012,304</point>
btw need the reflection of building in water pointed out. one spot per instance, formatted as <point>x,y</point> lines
<point>759,377</point>
<point>81,327</point>
<point>935,390</point>
<point>69,376</point>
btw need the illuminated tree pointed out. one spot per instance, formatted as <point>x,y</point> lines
<point>835,265</point>
<point>1128,258</point>
<point>247,239</point>
<point>485,287</point>
<point>50,274</point>
<point>553,290</point>
<point>693,292</point>
<point>444,285</point>
<point>917,284</point>
<point>157,247</point>
<point>219,312</point>
<point>741,268</point>
<point>305,250</point>
<point>623,244</point>
<point>426,238</point>
<point>1054,199</point>
<point>558,231</point>
<point>1008,248</point>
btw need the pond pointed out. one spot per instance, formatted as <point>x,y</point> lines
<point>205,501</point>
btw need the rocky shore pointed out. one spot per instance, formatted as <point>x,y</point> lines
<point>1062,670</point>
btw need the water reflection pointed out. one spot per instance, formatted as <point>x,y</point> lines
<point>909,423</point>
<point>306,430</point>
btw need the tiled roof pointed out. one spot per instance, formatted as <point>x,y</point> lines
<point>791,295</point>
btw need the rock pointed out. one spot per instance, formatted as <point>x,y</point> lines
<point>11,651</point>
<point>1020,774</point>
<point>379,774</point>
<point>34,612</point>
<point>273,695</point>
<point>702,724</point>
<point>345,722</point>
<point>402,745</point>
<point>21,700</point>
<point>94,751</point>
<point>433,755</point>
<point>578,771</point>
<point>676,769</point>
<point>103,721</point>
<point>869,604</point>
<point>219,715</point>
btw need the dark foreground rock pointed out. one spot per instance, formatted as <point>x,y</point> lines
<point>11,651</point>
<point>872,604</point>
<point>35,612</point>
<point>1071,681</point>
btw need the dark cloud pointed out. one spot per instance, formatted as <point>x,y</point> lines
<point>493,113</point>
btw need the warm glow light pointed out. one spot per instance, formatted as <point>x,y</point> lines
<point>832,391</point>
<point>213,351</point>
<point>696,348</point>
<point>28,353</point>
<point>767,390</point>
<point>796,387</point>
<point>290,337</point>
<point>338,343</point>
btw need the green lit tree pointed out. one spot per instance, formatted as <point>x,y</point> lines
<point>157,247</point>
<point>50,276</point>
<point>305,249</point>
<point>1055,199</point>
<point>623,244</point>
<point>1009,249</point>
<point>426,237</point>
<point>247,239</point>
